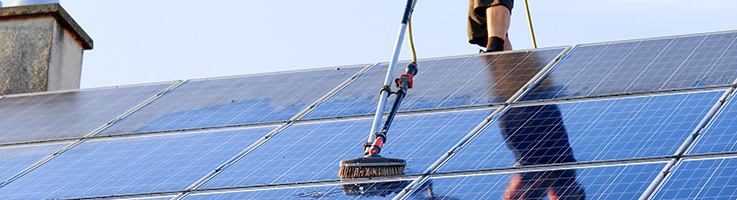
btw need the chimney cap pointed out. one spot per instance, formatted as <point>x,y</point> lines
<point>31,2</point>
<point>53,9</point>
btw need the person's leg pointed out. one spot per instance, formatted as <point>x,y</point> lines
<point>514,188</point>
<point>479,22</point>
<point>565,186</point>
<point>498,18</point>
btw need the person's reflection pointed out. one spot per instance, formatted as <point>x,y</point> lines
<point>535,134</point>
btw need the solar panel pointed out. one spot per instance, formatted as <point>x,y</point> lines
<point>312,151</point>
<point>381,190</point>
<point>203,138</point>
<point>67,115</point>
<point>130,165</point>
<point>586,131</point>
<point>720,136</point>
<point>617,182</point>
<point>444,83</point>
<point>15,159</point>
<point>642,66</point>
<point>235,101</point>
<point>702,179</point>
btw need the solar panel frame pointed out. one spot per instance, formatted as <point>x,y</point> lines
<point>412,95</point>
<point>50,149</point>
<point>236,158</point>
<point>715,181</point>
<point>539,74</point>
<point>54,95</point>
<point>536,80</point>
<point>143,123</point>
<point>687,145</point>
<point>691,98</point>
<point>731,47</point>
<point>299,186</point>
<point>89,89</point>
<point>714,138</point>
<point>659,37</point>
<point>655,165</point>
<point>172,195</point>
<point>351,124</point>
<point>420,178</point>
<point>506,105</point>
<point>73,152</point>
<point>322,99</point>
<point>706,156</point>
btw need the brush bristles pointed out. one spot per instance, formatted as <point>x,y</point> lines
<point>370,171</point>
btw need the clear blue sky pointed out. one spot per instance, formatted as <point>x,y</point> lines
<point>163,40</point>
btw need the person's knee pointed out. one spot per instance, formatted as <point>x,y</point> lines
<point>497,11</point>
<point>501,7</point>
<point>484,5</point>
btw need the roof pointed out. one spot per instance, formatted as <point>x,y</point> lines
<point>616,120</point>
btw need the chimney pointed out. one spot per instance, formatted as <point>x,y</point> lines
<point>41,49</point>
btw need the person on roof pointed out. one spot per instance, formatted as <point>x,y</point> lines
<point>488,22</point>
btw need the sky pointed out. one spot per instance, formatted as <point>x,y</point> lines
<point>147,41</point>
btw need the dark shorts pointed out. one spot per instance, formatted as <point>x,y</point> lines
<point>477,19</point>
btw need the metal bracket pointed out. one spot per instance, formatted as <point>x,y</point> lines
<point>387,89</point>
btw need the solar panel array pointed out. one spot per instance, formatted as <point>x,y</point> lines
<point>644,119</point>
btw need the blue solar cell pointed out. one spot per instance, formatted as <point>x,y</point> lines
<point>642,66</point>
<point>701,179</point>
<point>618,182</point>
<point>69,114</point>
<point>15,159</point>
<point>312,151</point>
<point>444,83</point>
<point>385,190</point>
<point>720,136</point>
<point>156,163</point>
<point>234,101</point>
<point>586,131</point>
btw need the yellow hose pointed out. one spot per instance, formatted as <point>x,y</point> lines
<point>409,34</point>
<point>529,21</point>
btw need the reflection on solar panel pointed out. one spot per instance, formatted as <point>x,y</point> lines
<point>643,66</point>
<point>608,121</point>
<point>69,114</point>
<point>381,190</point>
<point>618,182</point>
<point>702,179</point>
<point>132,165</point>
<point>312,151</point>
<point>720,137</point>
<point>444,83</point>
<point>234,101</point>
<point>13,160</point>
<point>569,132</point>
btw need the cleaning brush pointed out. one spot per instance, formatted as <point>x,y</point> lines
<point>372,164</point>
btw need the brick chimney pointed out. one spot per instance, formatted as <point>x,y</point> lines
<point>41,49</point>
